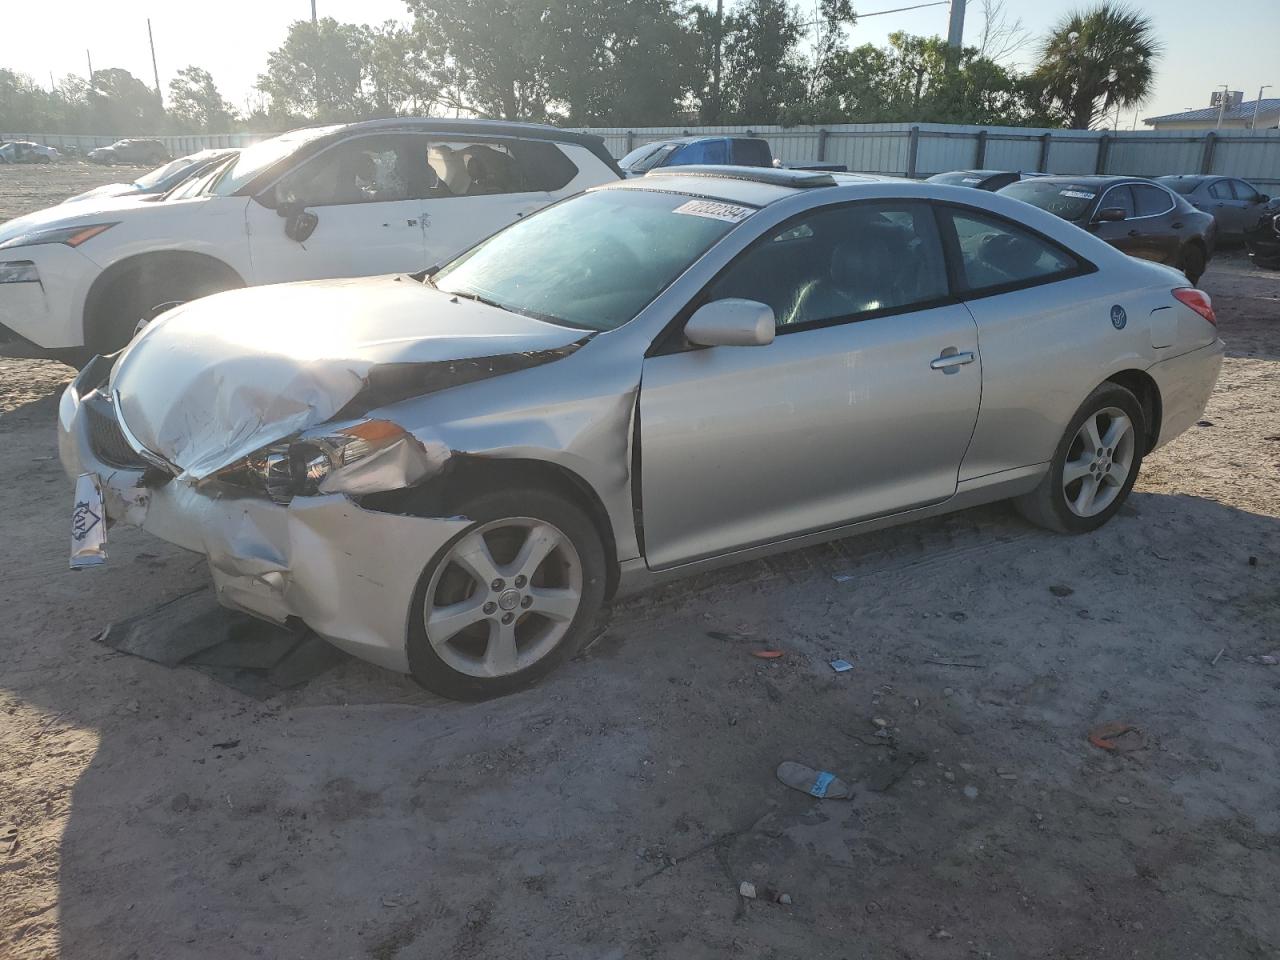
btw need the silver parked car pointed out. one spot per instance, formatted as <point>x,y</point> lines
<point>448,473</point>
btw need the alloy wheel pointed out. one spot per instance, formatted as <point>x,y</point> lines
<point>1099,462</point>
<point>503,597</point>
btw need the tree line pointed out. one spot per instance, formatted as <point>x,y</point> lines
<point>640,63</point>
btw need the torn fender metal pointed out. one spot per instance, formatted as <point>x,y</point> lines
<point>216,379</point>
<point>348,573</point>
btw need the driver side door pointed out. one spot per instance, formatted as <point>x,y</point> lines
<point>863,405</point>
<point>366,194</point>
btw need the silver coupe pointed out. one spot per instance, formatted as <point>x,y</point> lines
<point>448,473</point>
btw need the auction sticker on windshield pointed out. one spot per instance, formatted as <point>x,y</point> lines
<point>1078,194</point>
<point>729,212</point>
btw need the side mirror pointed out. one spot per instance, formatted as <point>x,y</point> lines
<point>1110,215</point>
<point>299,223</point>
<point>1262,198</point>
<point>731,323</point>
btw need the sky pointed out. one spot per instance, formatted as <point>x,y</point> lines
<point>231,38</point>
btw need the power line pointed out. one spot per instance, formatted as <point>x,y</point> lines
<point>881,13</point>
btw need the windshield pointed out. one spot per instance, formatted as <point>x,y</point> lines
<point>1070,201</point>
<point>255,159</point>
<point>1178,184</point>
<point>161,173</point>
<point>646,157</point>
<point>594,261</point>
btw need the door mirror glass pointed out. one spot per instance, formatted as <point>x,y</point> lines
<point>731,323</point>
<point>1110,215</point>
<point>299,224</point>
<point>1262,198</point>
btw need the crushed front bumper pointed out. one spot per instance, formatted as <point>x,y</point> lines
<point>348,573</point>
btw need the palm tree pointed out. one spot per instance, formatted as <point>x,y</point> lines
<point>1097,60</point>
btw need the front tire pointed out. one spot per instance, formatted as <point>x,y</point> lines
<point>145,292</point>
<point>1094,466</point>
<point>509,599</point>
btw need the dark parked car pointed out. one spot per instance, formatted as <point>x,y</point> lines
<point>1235,204</point>
<point>131,151</point>
<point>1140,217</point>
<point>982,179</point>
<point>1263,241</point>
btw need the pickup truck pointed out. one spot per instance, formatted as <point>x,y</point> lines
<point>726,150</point>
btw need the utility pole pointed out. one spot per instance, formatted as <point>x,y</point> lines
<point>155,71</point>
<point>313,11</point>
<point>955,32</point>
<point>1256,104</point>
<point>90,59</point>
<point>716,62</point>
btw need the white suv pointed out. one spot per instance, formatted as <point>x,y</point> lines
<point>383,196</point>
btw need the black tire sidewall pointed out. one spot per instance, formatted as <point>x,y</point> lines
<point>1107,395</point>
<point>433,673</point>
<point>1194,263</point>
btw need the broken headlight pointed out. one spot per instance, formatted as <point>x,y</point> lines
<point>322,462</point>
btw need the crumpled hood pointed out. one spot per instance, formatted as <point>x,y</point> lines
<point>213,380</point>
<point>86,211</point>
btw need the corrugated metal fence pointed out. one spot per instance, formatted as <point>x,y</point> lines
<point>919,150</point>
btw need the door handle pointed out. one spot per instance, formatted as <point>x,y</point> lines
<point>947,361</point>
<point>1177,225</point>
<point>1133,233</point>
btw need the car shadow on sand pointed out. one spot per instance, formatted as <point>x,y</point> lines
<point>613,810</point>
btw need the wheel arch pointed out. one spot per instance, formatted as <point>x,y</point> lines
<point>1143,386</point>
<point>140,265</point>
<point>467,475</point>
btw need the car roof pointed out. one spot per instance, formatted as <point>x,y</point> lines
<point>755,186</point>
<point>695,137</point>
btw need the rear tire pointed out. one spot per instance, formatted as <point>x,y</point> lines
<point>509,599</point>
<point>1193,263</point>
<point>1100,451</point>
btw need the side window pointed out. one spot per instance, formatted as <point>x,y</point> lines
<point>1220,190</point>
<point>995,253</point>
<point>1150,201</point>
<point>752,153</point>
<point>363,170</point>
<point>1244,191</point>
<point>460,168</point>
<point>1121,197</point>
<point>838,263</point>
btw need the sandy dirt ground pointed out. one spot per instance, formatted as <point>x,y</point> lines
<point>613,811</point>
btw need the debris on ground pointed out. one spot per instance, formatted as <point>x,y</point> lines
<point>842,577</point>
<point>9,838</point>
<point>1061,590</point>
<point>1117,737</point>
<point>816,783</point>
<point>940,934</point>
<point>767,654</point>
<point>1217,657</point>
<point>841,666</point>
<point>227,745</point>
<point>971,791</point>
<point>784,899</point>
<point>747,889</point>
<point>1266,659</point>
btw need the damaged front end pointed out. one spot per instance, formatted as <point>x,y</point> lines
<point>275,503</point>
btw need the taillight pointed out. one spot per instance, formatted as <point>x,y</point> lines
<point>1198,301</point>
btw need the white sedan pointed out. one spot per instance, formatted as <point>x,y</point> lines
<point>338,201</point>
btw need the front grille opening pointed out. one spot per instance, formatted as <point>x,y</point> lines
<point>105,437</point>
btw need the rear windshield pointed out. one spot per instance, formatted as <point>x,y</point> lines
<point>1070,201</point>
<point>1178,185</point>
<point>593,261</point>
